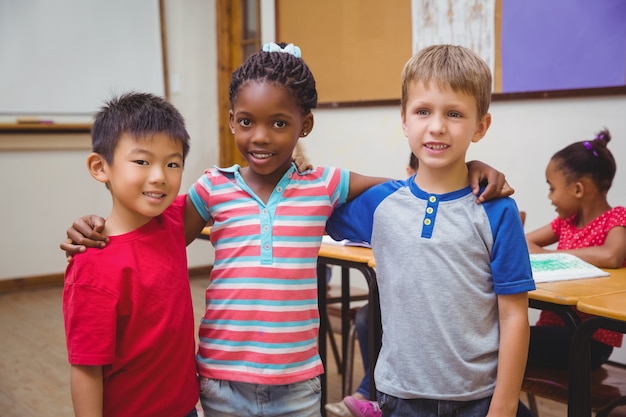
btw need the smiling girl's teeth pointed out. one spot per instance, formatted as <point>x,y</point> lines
<point>261,155</point>
<point>152,195</point>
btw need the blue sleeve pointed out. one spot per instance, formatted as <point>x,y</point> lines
<point>510,262</point>
<point>355,220</point>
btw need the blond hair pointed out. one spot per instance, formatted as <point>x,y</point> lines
<point>453,66</point>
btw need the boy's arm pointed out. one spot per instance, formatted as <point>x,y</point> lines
<point>512,354</point>
<point>86,385</point>
<point>194,223</point>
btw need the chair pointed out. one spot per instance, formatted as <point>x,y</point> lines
<point>346,366</point>
<point>608,387</point>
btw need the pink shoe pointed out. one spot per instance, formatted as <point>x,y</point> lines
<point>362,408</point>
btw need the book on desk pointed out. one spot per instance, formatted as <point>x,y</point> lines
<point>550,267</point>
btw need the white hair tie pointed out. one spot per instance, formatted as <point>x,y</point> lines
<point>290,49</point>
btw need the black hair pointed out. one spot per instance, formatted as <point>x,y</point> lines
<point>414,162</point>
<point>588,158</point>
<point>138,114</point>
<point>280,68</point>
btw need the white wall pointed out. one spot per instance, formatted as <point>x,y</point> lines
<point>44,191</point>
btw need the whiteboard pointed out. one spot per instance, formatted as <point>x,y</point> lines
<point>69,56</point>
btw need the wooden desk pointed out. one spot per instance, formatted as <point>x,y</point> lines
<point>206,233</point>
<point>610,312</point>
<point>560,296</point>
<point>604,296</point>
<point>362,260</point>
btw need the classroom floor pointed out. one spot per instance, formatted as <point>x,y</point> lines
<point>34,374</point>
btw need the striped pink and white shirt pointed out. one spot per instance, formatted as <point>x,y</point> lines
<point>261,321</point>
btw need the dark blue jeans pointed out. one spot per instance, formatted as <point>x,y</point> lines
<point>396,407</point>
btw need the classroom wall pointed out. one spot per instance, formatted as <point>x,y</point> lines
<point>44,191</point>
<point>523,136</point>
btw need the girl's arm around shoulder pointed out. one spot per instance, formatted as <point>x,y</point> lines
<point>496,184</point>
<point>359,183</point>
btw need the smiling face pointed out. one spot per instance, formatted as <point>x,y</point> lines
<point>440,124</point>
<point>267,123</point>
<point>144,179</point>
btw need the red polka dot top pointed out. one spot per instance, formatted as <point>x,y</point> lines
<point>593,234</point>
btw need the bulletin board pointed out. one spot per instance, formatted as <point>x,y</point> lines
<point>357,48</point>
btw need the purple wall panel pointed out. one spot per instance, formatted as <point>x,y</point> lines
<point>563,44</point>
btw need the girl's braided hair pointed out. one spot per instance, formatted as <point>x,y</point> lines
<point>279,68</point>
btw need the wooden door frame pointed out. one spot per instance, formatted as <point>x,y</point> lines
<point>229,26</point>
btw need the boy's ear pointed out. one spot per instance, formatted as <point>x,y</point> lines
<point>481,129</point>
<point>97,167</point>
<point>403,118</point>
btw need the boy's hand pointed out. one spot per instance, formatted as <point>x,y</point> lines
<point>496,182</point>
<point>85,232</point>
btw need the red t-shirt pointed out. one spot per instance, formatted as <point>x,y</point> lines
<point>128,308</point>
<point>593,234</point>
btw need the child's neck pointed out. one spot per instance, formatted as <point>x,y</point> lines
<point>442,180</point>
<point>591,209</point>
<point>121,223</point>
<point>262,185</point>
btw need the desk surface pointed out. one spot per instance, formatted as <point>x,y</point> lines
<point>571,292</point>
<point>561,292</point>
<point>612,306</point>
<point>348,253</point>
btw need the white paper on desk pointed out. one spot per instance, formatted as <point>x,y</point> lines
<point>345,242</point>
<point>550,267</point>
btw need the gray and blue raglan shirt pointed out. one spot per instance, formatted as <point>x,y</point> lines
<point>441,261</point>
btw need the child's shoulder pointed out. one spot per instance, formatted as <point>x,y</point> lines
<point>619,211</point>
<point>328,175</point>
<point>616,216</point>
